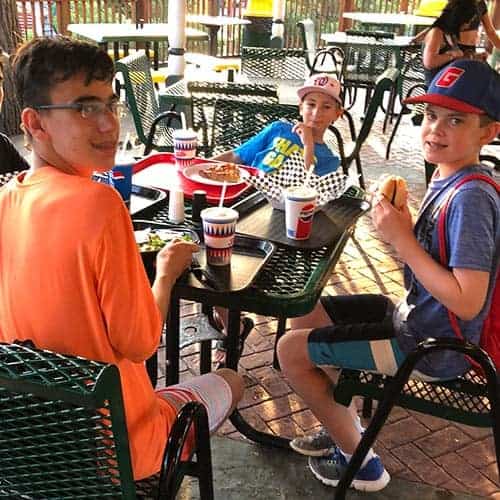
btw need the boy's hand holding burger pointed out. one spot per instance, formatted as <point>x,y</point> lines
<point>390,213</point>
<point>394,189</point>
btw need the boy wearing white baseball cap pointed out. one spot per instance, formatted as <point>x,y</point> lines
<point>320,105</point>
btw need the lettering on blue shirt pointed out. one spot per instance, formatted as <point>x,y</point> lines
<point>273,145</point>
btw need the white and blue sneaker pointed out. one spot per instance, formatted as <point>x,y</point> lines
<point>329,470</point>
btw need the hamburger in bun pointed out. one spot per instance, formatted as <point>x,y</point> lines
<point>394,189</point>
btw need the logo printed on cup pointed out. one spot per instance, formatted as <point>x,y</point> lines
<point>122,179</point>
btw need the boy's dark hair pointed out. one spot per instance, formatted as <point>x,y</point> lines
<point>43,62</point>
<point>485,120</point>
<point>455,14</point>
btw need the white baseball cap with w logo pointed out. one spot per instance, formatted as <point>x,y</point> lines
<point>322,83</point>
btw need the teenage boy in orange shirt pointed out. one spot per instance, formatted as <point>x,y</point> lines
<point>72,279</point>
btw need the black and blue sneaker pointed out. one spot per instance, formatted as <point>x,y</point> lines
<point>317,444</point>
<point>329,470</point>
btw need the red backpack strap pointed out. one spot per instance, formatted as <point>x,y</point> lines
<point>443,257</point>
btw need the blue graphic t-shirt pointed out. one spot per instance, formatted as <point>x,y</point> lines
<point>271,147</point>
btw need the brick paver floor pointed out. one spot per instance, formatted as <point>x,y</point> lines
<point>413,446</point>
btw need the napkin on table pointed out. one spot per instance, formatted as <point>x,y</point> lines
<point>293,173</point>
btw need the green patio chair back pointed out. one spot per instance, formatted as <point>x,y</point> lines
<point>273,65</point>
<point>410,83</point>
<point>152,127</point>
<point>326,60</point>
<point>364,61</point>
<point>385,83</point>
<point>205,94</point>
<point>235,122</point>
<point>64,434</point>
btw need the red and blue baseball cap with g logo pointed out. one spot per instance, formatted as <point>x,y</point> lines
<point>467,86</point>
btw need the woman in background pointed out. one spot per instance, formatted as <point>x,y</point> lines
<point>454,35</point>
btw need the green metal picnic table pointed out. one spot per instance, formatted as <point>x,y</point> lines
<point>288,285</point>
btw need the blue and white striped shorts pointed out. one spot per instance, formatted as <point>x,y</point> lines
<point>362,336</point>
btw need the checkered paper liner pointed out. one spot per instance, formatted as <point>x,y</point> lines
<point>293,173</point>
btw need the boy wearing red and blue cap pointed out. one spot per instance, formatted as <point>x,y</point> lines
<point>368,331</point>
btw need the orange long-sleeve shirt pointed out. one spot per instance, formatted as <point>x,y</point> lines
<point>72,281</point>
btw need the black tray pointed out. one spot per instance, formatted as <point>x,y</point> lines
<point>149,258</point>
<point>144,197</point>
<point>260,220</point>
<point>249,256</point>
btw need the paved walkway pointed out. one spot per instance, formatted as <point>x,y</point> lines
<point>244,471</point>
<point>413,446</point>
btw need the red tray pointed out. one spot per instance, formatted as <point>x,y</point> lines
<point>160,171</point>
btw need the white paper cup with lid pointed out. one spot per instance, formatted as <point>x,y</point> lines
<point>219,226</point>
<point>185,143</point>
<point>300,203</point>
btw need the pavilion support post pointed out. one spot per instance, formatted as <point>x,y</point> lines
<point>63,16</point>
<point>278,27</point>
<point>212,8</point>
<point>345,6</point>
<point>177,40</point>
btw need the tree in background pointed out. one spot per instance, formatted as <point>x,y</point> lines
<point>10,37</point>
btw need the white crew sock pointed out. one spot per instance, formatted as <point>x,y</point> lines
<point>368,457</point>
<point>357,423</point>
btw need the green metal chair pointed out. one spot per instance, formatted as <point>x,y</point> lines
<point>152,127</point>
<point>205,94</point>
<point>471,399</point>
<point>325,60</point>
<point>64,435</point>
<point>384,83</point>
<point>274,66</point>
<point>364,61</point>
<point>411,82</point>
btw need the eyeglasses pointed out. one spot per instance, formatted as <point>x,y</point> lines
<point>89,110</point>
